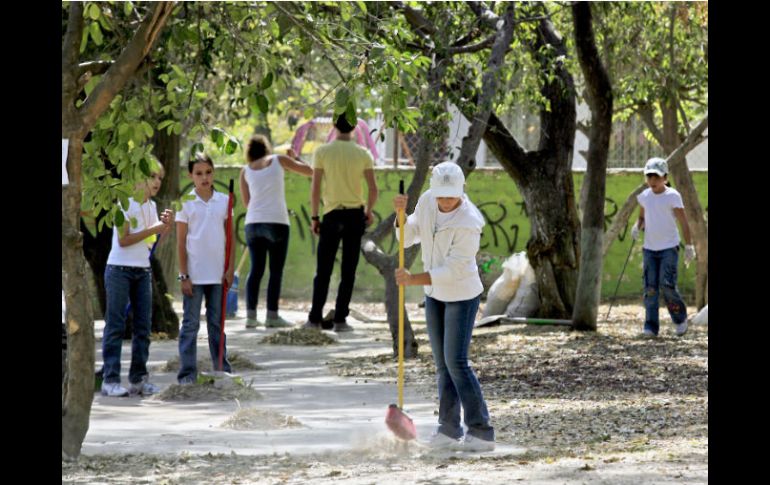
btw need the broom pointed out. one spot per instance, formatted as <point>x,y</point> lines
<point>399,423</point>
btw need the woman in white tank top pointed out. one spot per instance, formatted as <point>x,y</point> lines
<point>267,223</point>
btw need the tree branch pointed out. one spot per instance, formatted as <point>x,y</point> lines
<point>473,48</point>
<point>489,87</point>
<point>119,73</point>
<point>645,112</point>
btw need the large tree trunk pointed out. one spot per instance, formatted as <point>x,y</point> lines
<point>599,97</point>
<point>544,178</point>
<point>78,387</point>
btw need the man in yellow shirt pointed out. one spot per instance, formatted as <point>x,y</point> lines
<point>339,168</point>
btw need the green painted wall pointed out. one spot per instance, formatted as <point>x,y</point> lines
<point>507,231</point>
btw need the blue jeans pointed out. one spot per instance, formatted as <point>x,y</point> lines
<point>124,283</point>
<point>660,268</point>
<point>450,325</point>
<point>264,239</point>
<point>188,336</point>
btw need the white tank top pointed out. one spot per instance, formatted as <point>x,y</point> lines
<point>268,198</point>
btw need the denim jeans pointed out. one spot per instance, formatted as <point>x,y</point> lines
<point>124,283</point>
<point>188,336</point>
<point>264,239</point>
<point>450,325</point>
<point>346,225</point>
<point>660,268</point>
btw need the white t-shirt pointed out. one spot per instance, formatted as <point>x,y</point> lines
<point>660,231</point>
<point>205,237</point>
<point>267,203</point>
<point>137,254</point>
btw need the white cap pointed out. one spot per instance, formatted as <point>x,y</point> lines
<point>657,166</point>
<point>447,180</point>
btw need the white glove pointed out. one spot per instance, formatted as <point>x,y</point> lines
<point>689,254</point>
<point>635,232</point>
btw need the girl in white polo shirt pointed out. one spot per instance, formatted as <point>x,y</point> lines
<point>128,277</point>
<point>201,229</point>
<point>448,227</point>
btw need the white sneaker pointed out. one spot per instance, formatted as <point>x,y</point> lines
<point>681,328</point>
<point>440,441</point>
<point>472,443</point>
<point>648,333</point>
<point>113,389</point>
<point>143,388</point>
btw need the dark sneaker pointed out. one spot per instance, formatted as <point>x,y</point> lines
<point>143,388</point>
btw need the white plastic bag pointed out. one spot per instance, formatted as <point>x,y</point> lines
<point>702,318</point>
<point>526,301</point>
<point>502,290</point>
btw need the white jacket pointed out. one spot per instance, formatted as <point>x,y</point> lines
<point>449,254</point>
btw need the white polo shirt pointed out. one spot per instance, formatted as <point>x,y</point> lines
<point>205,237</point>
<point>138,254</point>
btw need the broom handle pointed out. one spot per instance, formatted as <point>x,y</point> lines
<point>401,304</point>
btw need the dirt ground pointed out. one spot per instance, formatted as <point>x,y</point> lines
<point>568,407</point>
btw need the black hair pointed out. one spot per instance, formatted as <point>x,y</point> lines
<point>342,124</point>
<point>200,157</point>
<point>258,147</point>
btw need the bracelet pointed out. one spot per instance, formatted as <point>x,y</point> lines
<point>183,277</point>
<point>315,218</point>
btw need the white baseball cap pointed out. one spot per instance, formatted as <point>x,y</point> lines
<point>447,180</point>
<point>656,166</point>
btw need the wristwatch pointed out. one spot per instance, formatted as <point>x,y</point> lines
<point>315,218</point>
<point>183,277</point>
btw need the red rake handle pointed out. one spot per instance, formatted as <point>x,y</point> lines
<point>228,248</point>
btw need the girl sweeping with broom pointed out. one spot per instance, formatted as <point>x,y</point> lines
<point>448,226</point>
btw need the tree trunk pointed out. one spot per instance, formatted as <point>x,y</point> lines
<point>96,250</point>
<point>599,97</point>
<point>552,248</point>
<point>166,148</point>
<point>391,302</point>
<point>686,187</point>
<point>78,388</point>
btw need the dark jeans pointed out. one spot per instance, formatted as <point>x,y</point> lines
<point>660,269</point>
<point>264,239</point>
<point>346,225</point>
<point>124,284</point>
<point>450,326</point>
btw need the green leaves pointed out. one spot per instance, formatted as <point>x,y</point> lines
<point>225,142</point>
<point>96,33</point>
<point>93,11</point>
<point>341,101</point>
<point>217,136</point>
<point>267,81</point>
<point>262,103</point>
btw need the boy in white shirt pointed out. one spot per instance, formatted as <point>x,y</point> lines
<point>660,207</point>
